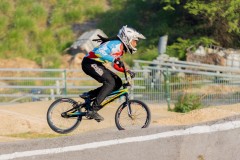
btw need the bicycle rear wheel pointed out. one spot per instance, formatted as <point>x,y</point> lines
<point>137,115</point>
<point>57,118</point>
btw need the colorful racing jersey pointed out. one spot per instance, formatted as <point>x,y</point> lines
<point>107,52</point>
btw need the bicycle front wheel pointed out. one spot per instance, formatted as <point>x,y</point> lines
<point>57,117</point>
<point>135,114</point>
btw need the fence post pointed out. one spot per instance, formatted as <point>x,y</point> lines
<point>58,89</point>
<point>167,87</point>
<point>65,82</point>
<point>52,94</point>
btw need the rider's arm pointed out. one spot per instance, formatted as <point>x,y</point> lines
<point>117,67</point>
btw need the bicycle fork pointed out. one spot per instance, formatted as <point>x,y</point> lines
<point>129,109</point>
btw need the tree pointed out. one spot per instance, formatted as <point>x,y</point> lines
<point>220,18</point>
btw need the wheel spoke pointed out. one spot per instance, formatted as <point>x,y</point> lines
<point>55,119</point>
<point>140,116</point>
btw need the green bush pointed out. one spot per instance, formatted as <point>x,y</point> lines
<point>178,49</point>
<point>187,103</point>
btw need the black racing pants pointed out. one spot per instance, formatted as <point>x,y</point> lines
<point>99,72</point>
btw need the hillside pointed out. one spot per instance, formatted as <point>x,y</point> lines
<point>20,62</point>
<point>42,30</point>
<point>36,29</point>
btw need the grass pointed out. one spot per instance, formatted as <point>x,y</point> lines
<point>5,7</point>
<point>35,29</point>
<point>187,103</point>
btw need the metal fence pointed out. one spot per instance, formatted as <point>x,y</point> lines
<point>24,85</point>
<point>21,85</point>
<point>212,84</point>
<point>155,82</point>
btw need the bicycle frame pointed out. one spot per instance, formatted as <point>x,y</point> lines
<point>115,95</point>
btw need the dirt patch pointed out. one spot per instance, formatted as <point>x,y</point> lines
<point>213,89</point>
<point>31,117</point>
<point>18,63</point>
<point>197,116</point>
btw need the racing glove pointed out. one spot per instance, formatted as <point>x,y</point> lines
<point>132,74</point>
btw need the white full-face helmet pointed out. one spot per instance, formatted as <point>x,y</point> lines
<point>126,35</point>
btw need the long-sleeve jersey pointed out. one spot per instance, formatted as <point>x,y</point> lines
<point>108,52</point>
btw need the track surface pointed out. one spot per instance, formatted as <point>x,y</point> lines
<point>213,140</point>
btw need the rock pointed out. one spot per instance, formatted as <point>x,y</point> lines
<point>85,43</point>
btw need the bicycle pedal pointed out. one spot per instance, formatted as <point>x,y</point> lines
<point>88,117</point>
<point>98,120</point>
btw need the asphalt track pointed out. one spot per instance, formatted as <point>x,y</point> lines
<point>217,140</point>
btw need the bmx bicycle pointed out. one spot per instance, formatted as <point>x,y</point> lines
<point>65,114</point>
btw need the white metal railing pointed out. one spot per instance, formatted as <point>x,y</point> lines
<point>155,82</point>
<point>20,85</point>
<point>183,65</point>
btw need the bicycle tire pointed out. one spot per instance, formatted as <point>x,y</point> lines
<point>136,107</point>
<point>55,120</point>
